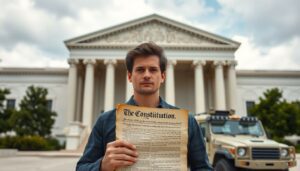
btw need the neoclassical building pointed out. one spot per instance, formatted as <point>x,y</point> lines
<point>201,74</point>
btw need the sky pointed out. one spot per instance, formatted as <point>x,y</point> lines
<point>32,31</point>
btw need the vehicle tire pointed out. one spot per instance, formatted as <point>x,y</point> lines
<point>224,165</point>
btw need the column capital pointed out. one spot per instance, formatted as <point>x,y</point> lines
<point>219,63</point>
<point>199,62</point>
<point>110,62</point>
<point>232,63</point>
<point>89,61</point>
<point>172,62</point>
<point>72,61</point>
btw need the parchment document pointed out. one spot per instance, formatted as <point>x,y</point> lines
<point>160,136</point>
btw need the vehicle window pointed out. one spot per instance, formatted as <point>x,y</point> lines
<point>235,128</point>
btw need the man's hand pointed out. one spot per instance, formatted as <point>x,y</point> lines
<point>118,154</point>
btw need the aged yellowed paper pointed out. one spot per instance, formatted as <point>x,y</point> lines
<point>160,136</point>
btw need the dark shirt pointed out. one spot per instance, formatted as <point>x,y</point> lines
<point>104,132</point>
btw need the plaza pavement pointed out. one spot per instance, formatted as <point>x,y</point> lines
<point>53,161</point>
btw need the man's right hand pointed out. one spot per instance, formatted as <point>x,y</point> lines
<point>118,154</point>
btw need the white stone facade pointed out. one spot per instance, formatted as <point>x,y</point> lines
<point>200,72</point>
<point>250,86</point>
<point>54,79</point>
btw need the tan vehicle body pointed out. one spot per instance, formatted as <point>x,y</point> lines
<point>221,146</point>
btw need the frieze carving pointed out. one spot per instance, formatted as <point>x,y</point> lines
<point>153,31</point>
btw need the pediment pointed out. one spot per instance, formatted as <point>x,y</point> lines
<point>160,30</point>
<point>152,31</point>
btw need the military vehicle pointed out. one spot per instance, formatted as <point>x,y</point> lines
<point>239,143</point>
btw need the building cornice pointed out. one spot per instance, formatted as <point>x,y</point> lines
<point>64,71</point>
<point>165,46</point>
<point>268,73</point>
<point>33,71</point>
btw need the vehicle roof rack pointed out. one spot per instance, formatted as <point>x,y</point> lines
<point>221,112</point>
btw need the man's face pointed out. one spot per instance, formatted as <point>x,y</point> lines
<point>146,76</point>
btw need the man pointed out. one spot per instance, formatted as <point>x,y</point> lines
<point>146,65</point>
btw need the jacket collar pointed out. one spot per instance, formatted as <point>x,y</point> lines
<point>162,103</point>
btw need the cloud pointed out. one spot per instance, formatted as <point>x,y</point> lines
<point>282,57</point>
<point>33,30</point>
<point>269,22</point>
<point>45,24</point>
<point>190,9</point>
<point>21,22</point>
<point>23,55</point>
<point>193,12</point>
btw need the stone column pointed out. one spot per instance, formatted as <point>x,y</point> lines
<point>199,87</point>
<point>88,92</point>
<point>220,103</point>
<point>79,95</point>
<point>72,82</point>
<point>170,84</point>
<point>129,88</point>
<point>109,84</point>
<point>232,84</point>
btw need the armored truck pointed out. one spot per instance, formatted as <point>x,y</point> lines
<point>238,143</point>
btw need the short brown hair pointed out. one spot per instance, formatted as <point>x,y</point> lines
<point>145,50</point>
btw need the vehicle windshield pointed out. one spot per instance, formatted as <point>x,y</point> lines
<point>236,128</point>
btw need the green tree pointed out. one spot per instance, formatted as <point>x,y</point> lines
<point>33,118</point>
<point>297,106</point>
<point>279,117</point>
<point>4,113</point>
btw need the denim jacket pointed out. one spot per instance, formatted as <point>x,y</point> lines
<point>103,132</point>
